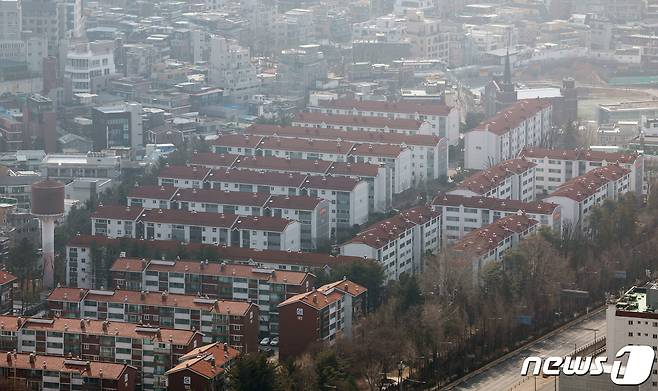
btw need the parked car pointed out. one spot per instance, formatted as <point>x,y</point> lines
<point>274,341</point>
<point>265,341</point>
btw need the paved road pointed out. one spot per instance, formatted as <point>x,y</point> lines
<point>504,375</point>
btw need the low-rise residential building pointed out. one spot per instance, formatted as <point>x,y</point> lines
<point>258,232</point>
<point>444,120</point>
<point>490,243</point>
<point>399,243</point>
<point>81,261</point>
<point>7,281</point>
<point>265,287</point>
<point>319,315</point>
<point>463,214</point>
<point>192,177</point>
<point>578,196</point>
<point>203,368</point>
<point>310,212</point>
<point>557,166</point>
<point>151,350</point>
<point>210,320</point>
<point>66,167</point>
<point>362,123</point>
<point>61,373</point>
<point>512,179</point>
<point>526,123</point>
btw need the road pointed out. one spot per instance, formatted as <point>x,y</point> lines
<point>504,375</point>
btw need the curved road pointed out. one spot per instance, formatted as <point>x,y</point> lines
<point>504,374</point>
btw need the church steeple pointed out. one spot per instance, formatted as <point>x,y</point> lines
<point>507,75</point>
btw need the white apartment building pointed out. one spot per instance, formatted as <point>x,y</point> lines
<point>443,119</point>
<point>88,165</point>
<point>89,66</point>
<point>400,242</point>
<point>187,177</point>
<point>427,36</point>
<point>362,123</point>
<point>310,212</point>
<point>557,166</point>
<point>489,243</point>
<point>526,123</point>
<point>387,28</point>
<point>230,68</point>
<point>257,232</point>
<point>632,320</point>
<point>462,215</point>
<point>348,199</point>
<point>429,153</point>
<point>512,179</point>
<point>578,196</point>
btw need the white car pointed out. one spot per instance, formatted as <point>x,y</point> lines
<point>265,341</point>
<point>275,341</point>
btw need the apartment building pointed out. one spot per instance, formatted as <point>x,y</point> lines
<point>512,179</point>
<point>429,153</point>
<point>258,232</point>
<point>632,320</point>
<point>33,371</point>
<point>151,350</point>
<point>362,123</point>
<point>464,214</point>
<point>265,287</point>
<point>397,159</point>
<point>213,160</point>
<point>444,120</point>
<point>210,320</point>
<point>7,281</point>
<point>202,368</point>
<point>310,212</point>
<point>191,177</point>
<point>89,65</point>
<point>526,123</point>
<point>578,196</point>
<point>319,315</point>
<point>557,166</point>
<point>65,167</point>
<point>399,243</point>
<point>489,243</point>
<point>80,265</point>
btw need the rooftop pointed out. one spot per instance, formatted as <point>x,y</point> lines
<point>512,116</point>
<point>445,199</point>
<point>82,368</point>
<point>408,107</point>
<point>487,238</point>
<point>483,181</point>
<point>358,121</point>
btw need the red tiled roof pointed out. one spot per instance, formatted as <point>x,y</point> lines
<point>221,197</point>
<point>184,172</point>
<point>207,361</point>
<point>540,153</point>
<point>257,177</point>
<point>306,145</point>
<point>282,164</point>
<point>213,160</point>
<point>354,169</point>
<point>580,154</point>
<point>262,223</point>
<point>83,368</point>
<point>237,140</point>
<point>10,323</point>
<point>483,181</point>
<point>315,298</point>
<point>117,212</point>
<point>155,192</point>
<point>176,216</point>
<point>444,199</point>
<point>341,183</point>
<point>512,116</point>
<point>487,238</point>
<point>379,234</point>
<point>293,202</point>
<point>357,136</point>
<point>6,277</point>
<point>581,187</point>
<point>345,286</point>
<point>407,107</point>
<point>386,150</point>
<point>358,121</point>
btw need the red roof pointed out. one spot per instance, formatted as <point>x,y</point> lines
<point>358,121</point>
<point>487,238</point>
<point>262,223</point>
<point>315,298</point>
<point>176,216</point>
<point>274,163</point>
<point>184,172</point>
<point>341,183</point>
<point>512,116</point>
<point>117,212</point>
<point>354,169</point>
<point>540,153</point>
<point>237,140</point>
<point>6,277</point>
<point>581,154</point>
<point>444,199</point>
<point>82,368</point>
<point>385,150</point>
<point>379,234</point>
<point>257,177</point>
<point>483,181</point>
<point>407,107</point>
<point>155,192</point>
<point>581,187</point>
<point>213,160</point>
<point>306,145</point>
<point>293,202</point>
<point>221,197</point>
<point>207,361</point>
<point>357,136</point>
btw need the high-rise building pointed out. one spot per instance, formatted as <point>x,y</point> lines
<point>89,65</point>
<point>230,68</point>
<point>117,126</point>
<point>40,121</point>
